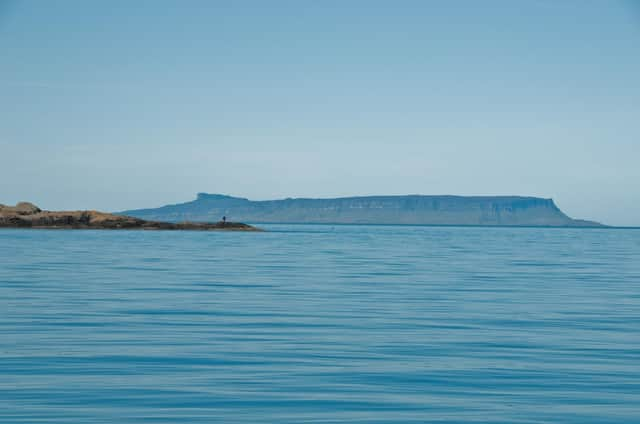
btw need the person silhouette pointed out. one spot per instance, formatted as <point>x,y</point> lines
<point>224,220</point>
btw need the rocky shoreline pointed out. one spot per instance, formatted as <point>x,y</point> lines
<point>27,215</point>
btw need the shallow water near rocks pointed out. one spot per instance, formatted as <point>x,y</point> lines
<point>324,324</point>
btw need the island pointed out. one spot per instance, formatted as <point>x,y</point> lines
<point>27,215</point>
<point>406,209</point>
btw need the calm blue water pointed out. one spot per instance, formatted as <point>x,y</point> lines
<point>320,324</point>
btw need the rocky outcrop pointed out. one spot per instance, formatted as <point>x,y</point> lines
<point>27,215</point>
<point>412,209</point>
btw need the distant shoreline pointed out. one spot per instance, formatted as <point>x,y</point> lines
<point>28,216</point>
<point>436,210</point>
<point>595,227</point>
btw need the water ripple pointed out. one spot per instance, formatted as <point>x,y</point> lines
<point>321,324</point>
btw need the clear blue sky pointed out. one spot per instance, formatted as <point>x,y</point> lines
<point>123,104</point>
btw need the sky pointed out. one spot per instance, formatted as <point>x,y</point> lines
<point>119,105</point>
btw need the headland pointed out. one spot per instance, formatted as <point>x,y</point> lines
<point>409,210</point>
<point>27,215</point>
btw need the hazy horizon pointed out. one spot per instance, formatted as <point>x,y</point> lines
<point>121,105</point>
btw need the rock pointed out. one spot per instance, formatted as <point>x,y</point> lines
<point>27,215</point>
<point>22,208</point>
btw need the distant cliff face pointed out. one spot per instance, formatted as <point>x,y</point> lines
<point>413,209</point>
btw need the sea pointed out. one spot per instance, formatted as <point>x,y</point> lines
<point>321,324</point>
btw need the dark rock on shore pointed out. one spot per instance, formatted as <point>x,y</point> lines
<point>27,215</point>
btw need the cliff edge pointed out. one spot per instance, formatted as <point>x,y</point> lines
<point>410,209</point>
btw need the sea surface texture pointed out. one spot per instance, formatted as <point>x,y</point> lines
<point>321,324</point>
